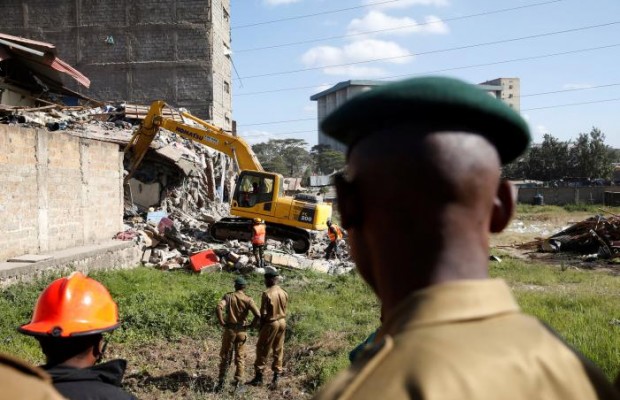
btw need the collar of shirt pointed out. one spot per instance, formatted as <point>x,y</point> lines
<point>451,302</point>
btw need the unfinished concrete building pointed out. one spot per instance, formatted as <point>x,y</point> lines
<point>139,50</point>
<point>506,89</point>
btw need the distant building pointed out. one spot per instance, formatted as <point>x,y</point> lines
<point>507,89</point>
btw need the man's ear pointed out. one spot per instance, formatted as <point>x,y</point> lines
<point>349,203</point>
<point>503,206</point>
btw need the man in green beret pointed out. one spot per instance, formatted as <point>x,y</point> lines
<point>232,312</point>
<point>449,332</point>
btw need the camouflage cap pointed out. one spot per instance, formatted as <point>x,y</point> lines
<point>436,104</point>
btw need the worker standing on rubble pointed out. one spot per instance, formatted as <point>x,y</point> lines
<point>237,305</point>
<point>68,321</point>
<point>259,230</point>
<point>448,332</point>
<point>274,301</point>
<point>335,236</point>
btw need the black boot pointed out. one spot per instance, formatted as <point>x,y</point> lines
<point>274,381</point>
<point>258,380</point>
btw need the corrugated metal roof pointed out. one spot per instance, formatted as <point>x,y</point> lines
<point>40,57</point>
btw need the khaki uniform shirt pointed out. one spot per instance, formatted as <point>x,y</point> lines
<point>237,305</point>
<point>19,380</point>
<point>273,304</point>
<point>467,340</point>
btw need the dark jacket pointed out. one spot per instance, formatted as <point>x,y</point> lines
<point>99,382</point>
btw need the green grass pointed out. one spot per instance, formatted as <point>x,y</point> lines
<point>328,315</point>
<point>578,304</point>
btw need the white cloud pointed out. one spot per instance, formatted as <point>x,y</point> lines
<point>568,86</point>
<point>359,51</point>
<point>405,3</point>
<point>280,2</point>
<point>379,21</point>
<point>256,136</point>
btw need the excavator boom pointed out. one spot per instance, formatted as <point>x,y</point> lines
<point>258,193</point>
<point>209,135</point>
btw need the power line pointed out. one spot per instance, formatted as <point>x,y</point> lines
<point>313,14</point>
<point>278,122</point>
<point>573,104</point>
<point>398,28</point>
<point>530,58</point>
<point>437,51</point>
<point>527,109</point>
<point>571,90</point>
<point>279,133</point>
<point>527,95</point>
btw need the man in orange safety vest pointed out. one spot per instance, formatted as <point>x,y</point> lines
<point>259,231</point>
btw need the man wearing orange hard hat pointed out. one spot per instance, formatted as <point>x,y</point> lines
<point>69,320</point>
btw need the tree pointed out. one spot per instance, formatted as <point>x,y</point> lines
<point>288,157</point>
<point>590,157</point>
<point>547,161</point>
<point>326,160</point>
<point>587,157</point>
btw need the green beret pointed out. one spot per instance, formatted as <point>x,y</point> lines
<point>240,281</point>
<point>271,271</point>
<point>438,103</point>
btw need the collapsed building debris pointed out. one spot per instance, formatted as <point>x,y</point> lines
<point>595,237</point>
<point>181,188</point>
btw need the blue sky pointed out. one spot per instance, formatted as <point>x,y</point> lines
<point>283,58</point>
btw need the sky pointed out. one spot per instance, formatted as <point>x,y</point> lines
<point>566,54</point>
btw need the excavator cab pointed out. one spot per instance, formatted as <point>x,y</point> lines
<point>257,190</point>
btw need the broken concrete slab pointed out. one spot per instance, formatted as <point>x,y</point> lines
<point>29,258</point>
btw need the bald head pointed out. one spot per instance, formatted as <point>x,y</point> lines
<point>433,195</point>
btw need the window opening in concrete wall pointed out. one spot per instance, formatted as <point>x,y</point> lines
<point>226,87</point>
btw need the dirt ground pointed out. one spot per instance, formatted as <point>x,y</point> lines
<point>188,369</point>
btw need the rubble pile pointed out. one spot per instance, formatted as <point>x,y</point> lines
<point>191,182</point>
<point>595,237</point>
<point>168,245</point>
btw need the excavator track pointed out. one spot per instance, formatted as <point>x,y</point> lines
<point>241,228</point>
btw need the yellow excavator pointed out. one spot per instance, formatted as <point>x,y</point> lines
<point>258,193</point>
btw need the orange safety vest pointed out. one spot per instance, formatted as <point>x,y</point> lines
<point>333,236</point>
<point>258,237</point>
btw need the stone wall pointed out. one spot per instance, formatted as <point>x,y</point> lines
<point>58,191</point>
<point>138,50</point>
<point>567,195</point>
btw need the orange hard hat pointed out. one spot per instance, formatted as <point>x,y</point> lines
<point>73,306</point>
